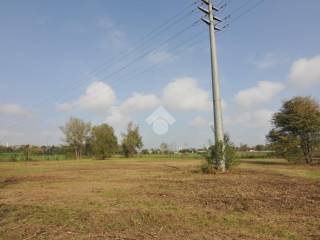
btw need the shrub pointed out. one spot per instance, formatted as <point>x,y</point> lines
<point>215,152</point>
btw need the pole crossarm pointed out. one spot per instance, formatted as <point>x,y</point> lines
<point>208,2</point>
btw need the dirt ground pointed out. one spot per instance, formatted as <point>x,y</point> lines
<point>158,199</point>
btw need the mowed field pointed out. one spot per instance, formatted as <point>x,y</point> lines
<point>158,199</point>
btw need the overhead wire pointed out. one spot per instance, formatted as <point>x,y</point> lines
<point>172,21</point>
<point>232,19</point>
<point>141,56</point>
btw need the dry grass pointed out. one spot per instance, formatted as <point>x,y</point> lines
<point>158,199</point>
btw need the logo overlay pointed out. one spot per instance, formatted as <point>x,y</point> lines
<point>160,120</point>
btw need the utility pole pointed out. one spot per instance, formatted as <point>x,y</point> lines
<point>211,20</point>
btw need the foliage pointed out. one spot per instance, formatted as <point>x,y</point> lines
<point>76,134</point>
<point>244,147</point>
<point>230,153</point>
<point>27,152</point>
<point>103,141</point>
<point>164,148</point>
<point>216,152</point>
<point>296,129</point>
<point>285,145</point>
<point>255,154</point>
<point>145,151</point>
<point>131,141</point>
<point>260,147</point>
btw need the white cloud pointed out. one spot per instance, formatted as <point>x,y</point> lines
<point>185,94</point>
<point>260,118</point>
<point>116,118</point>
<point>159,56</point>
<point>305,72</point>
<point>13,110</point>
<point>199,122</point>
<point>114,37</point>
<point>262,93</point>
<point>138,102</point>
<point>268,61</point>
<point>98,98</point>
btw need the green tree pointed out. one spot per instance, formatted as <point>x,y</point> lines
<point>259,147</point>
<point>131,141</point>
<point>76,133</point>
<point>103,141</point>
<point>145,151</point>
<point>296,129</point>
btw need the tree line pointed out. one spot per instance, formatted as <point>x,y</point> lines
<point>100,141</point>
<point>295,135</point>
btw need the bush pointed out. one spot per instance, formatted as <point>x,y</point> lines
<point>207,167</point>
<point>215,152</point>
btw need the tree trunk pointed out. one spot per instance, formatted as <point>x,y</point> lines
<point>77,153</point>
<point>306,146</point>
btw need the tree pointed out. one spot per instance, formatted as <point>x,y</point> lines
<point>145,151</point>
<point>259,147</point>
<point>103,141</point>
<point>164,148</point>
<point>131,141</point>
<point>27,152</point>
<point>296,128</point>
<point>244,147</point>
<point>76,134</point>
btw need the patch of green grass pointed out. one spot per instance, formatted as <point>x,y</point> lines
<point>281,166</point>
<point>305,173</point>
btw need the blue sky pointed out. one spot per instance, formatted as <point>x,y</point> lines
<point>52,53</point>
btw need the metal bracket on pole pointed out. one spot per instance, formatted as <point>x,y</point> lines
<point>208,22</point>
<point>207,3</point>
<point>205,20</point>
<point>203,10</point>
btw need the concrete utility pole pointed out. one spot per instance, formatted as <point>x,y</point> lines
<point>211,20</point>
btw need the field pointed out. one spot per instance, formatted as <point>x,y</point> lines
<point>158,199</point>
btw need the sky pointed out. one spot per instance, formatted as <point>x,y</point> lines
<point>120,61</point>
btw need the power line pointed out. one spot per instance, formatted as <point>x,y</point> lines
<point>223,30</point>
<point>146,53</point>
<point>131,52</point>
<point>144,43</point>
<point>180,47</point>
<point>245,12</point>
<point>153,33</point>
<point>194,40</point>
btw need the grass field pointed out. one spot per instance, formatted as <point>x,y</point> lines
<point>158,199</point>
